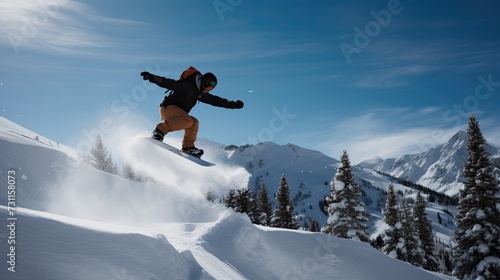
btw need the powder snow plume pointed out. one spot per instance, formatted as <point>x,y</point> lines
<point>168,168</point>
<point>175,192</point>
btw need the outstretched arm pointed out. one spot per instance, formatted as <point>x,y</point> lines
<point>160,81</point>
<point>221,102</point>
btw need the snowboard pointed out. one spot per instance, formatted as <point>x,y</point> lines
<point>176,151</point>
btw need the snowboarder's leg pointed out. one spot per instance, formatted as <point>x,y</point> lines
<point>174,118</point>
<point>161,128</point>
<point>189,139</point>
<point>190,134</point>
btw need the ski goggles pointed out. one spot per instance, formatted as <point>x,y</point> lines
<point>212,84</point>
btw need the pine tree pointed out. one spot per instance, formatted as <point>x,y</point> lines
<point>210,197</point>
<point>423,228</point>
<point>315,226</point>
<point>264,206</point>
<point>129,173</point>
<point>243,201</point>
<point>477,254</point>
<point>100,158</point>
<point>254,211</point>
<point>409,243</point>
<point>230,199</point>
<point>283,216</point>
<point>391,218</point>
<point>347,214</point>
<point>378,242</point>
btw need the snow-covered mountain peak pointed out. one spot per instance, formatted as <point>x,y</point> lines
<point>440,168</point>
<point>371,162</point>
<point>270,149</point>
<point>459,138</point>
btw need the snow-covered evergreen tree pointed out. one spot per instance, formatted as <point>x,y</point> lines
<point>100,158</point>
<point>283,216</point>
<point>210,196</point>
<point>391,218</point>
<point>254,211</point>
<point>230,199</point>
<point>315,226</point>
<point>423,228</point>
<point>129,173</point>
<point>409,242</point>
<point>347,214</point>
<point>477,254</point>
<point>243,201</point>
<point>264,206</point>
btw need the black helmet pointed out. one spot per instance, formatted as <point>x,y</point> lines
<point>209,79</point>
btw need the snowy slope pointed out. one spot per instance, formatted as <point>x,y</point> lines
<point>79,223</point>
<point>57,247</point>
<point>308,173</point>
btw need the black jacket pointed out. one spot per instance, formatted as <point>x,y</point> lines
<point>186,93</point>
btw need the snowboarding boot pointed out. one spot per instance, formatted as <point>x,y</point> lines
<point>158,135</point>
<point>193,151</point>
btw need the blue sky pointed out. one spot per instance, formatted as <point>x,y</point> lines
<point>371,77</point>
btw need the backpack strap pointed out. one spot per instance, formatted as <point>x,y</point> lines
<point>188,72</point>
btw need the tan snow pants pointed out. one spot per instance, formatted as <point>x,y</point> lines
<point>174,118</point>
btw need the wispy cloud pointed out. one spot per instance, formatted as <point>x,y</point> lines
<point>391,144</point>
<point>387,133</point>
<point>251,46</point>
<point>394,62</point>
<point>59,26</point>
<point>429,110</point>
<point>393,76</point>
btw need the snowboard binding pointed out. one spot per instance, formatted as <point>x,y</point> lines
<point>195,152</point>
<point>158,135</point>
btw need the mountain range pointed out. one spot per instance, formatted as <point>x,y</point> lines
<point>440,168</point>
<point>69,212</point>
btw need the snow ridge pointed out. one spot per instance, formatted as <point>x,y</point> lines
<point>75,222</point>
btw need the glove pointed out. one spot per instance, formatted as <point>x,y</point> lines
<point>236,104</point>
<point>147,76</point>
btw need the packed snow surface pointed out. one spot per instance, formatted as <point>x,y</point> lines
<point>71,221</point>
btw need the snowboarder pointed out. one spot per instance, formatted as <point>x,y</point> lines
<point>185,93</point>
